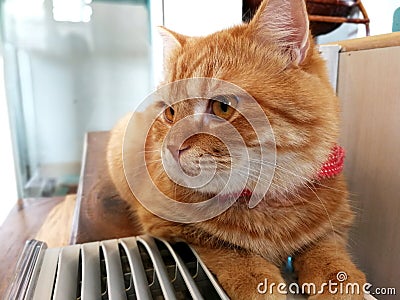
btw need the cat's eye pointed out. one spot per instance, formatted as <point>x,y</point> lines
<point>169,114</point>
<point>223,106</point>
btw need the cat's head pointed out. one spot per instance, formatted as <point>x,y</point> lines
<point>273,59</point>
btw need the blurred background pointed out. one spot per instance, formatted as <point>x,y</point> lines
<point>73,66</point>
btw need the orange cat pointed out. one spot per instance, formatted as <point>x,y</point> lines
<point>303,214</point>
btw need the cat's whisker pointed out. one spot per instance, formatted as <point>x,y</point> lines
<point>285,195</point>
<point>267,163</point>
<point>255,175</point>
<point>327,214</point>
<point>147,163</point>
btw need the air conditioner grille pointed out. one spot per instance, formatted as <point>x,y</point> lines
<point>130,268</point>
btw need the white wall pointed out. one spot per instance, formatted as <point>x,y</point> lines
<point>7,172</point>
<point>381,15</point>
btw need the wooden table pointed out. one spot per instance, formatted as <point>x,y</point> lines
<point>22,224</point>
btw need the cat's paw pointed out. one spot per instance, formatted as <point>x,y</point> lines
<point>243,276</point>
<point>328,266</point>
<point>341,285</point>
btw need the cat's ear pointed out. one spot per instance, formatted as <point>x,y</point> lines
<point>171,41</point>
<point>284,22</point>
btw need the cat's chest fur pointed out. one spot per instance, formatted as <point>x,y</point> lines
<point>273,232</point>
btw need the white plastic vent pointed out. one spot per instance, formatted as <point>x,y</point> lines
<point>130,268</point>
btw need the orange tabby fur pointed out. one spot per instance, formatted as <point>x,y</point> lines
<point>298,216</point>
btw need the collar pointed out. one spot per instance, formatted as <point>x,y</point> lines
<point>334,165</point>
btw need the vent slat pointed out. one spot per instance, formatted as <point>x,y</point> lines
<point>213,281</point>
<point>27,270</point>
<point>90,271</point>
<point>44,286</point>
<point>187,277</point>
<point>115,278</point>
<point>25,266</point>
<point>159,266</point>
<point>39,248</point>
<point>67,273</point>
<point>138,273</point>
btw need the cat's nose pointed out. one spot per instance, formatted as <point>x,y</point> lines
<point>176,151</point>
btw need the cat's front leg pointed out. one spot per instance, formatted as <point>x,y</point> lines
<point>328,266</point>
<point>243,275</point>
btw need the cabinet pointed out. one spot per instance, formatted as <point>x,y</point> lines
<point>369,88</point>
